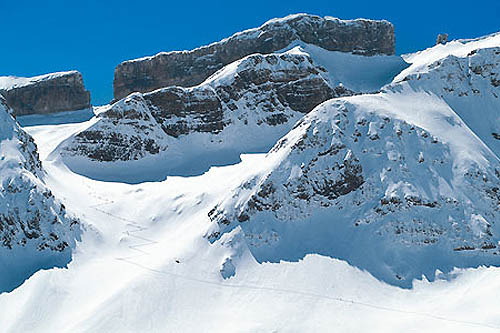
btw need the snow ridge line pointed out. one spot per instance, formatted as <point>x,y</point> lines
<point>314,295</point>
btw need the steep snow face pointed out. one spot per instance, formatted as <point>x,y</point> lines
<point>469,83</point>
<point>245,107</point>
<point>363,74</point>
<point>459,48</point>
<point>394,183</point>
<point>35,231</point>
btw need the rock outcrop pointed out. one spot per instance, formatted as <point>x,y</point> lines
<point>246,106</point>
<point>189,68</point>
<point>35,230</point>
<point>55,92</point>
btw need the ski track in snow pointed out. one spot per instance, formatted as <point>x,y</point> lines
<point>136,247</point>
<point>324,297</point>
<point>133,228</point>
<point>142,246</point>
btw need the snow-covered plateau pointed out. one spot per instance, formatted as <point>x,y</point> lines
<point>303,190</point>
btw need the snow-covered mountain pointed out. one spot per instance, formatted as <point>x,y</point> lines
<point>35,230</point>
<point>466,75</point>
<point>383,181</point>
<point>245,107</point>
<point>412,171</point>
<point>292,190</point>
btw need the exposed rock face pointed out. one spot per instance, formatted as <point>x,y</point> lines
<point>189,68</point>
<point>35,230</point>
<point>269,88</point>
<point>55,92</point>
<point>125,131</point>
<point>263,94</point>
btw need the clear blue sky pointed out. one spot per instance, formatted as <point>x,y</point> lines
<point>94,36</point>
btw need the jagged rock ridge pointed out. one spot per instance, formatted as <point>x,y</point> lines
<point>188,68</point>
<point>55,92</point>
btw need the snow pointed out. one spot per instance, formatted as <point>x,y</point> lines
<point>144,262</point>
<point>124,275</point>
<point>12,82</point>
<point>35,231</point>
<point>355,72</point>
<point>459,48</point>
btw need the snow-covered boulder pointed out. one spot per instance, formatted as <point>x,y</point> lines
<point>35,230</point>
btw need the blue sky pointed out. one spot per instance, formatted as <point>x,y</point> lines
<point>94,36</point>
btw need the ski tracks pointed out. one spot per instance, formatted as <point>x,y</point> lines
<point>132,229</point>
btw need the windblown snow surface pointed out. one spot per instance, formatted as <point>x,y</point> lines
<point>147,263</point>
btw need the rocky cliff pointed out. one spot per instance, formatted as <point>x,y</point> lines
<point>35,230</point>
<point>188,68</point>
<point>55,92</point>
<point>246,106</point>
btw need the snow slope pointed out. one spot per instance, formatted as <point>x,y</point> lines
<point>355,72</point>
<point>146,267</point>
<point>399,171</point>
<point>466,75</point>
<point>458,48</point>
<point>35,230</point>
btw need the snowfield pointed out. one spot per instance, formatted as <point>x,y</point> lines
<point>377,212</point>
<point>125,276</point>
